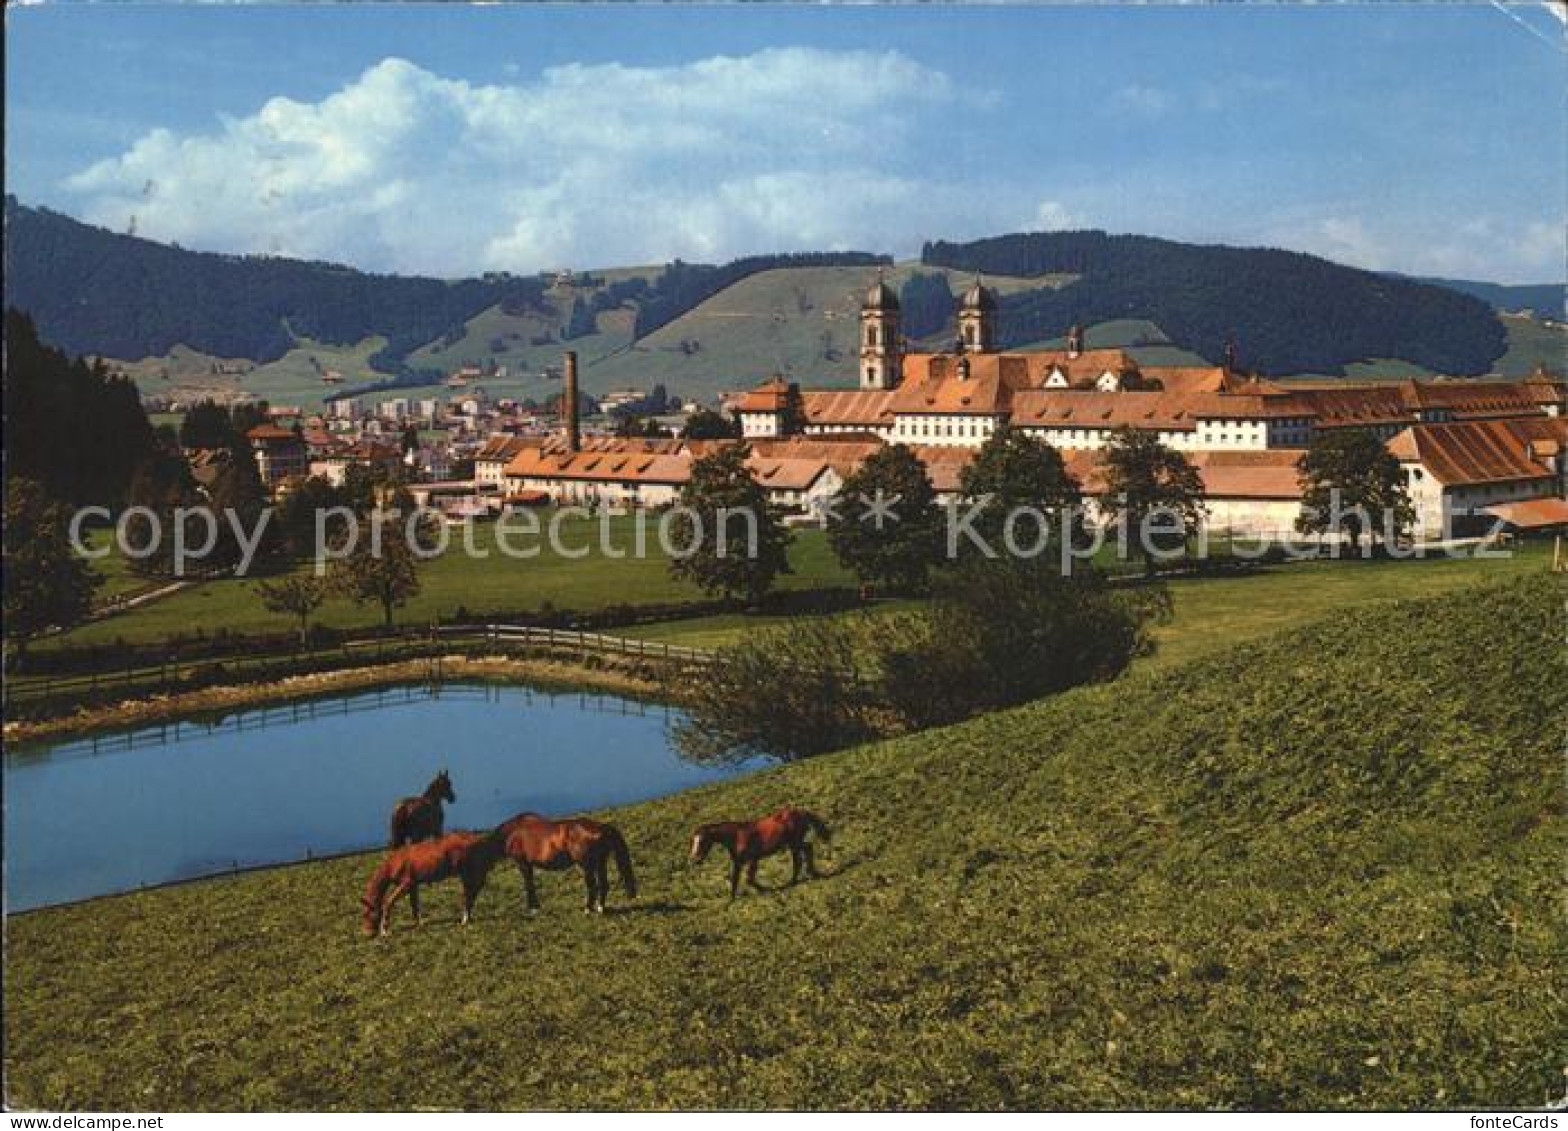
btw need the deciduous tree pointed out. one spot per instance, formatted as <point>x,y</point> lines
<point>46,584</point>
<point>886,528</point>
<point>730,539</point>
<point>298,596</point>
<point>380,568</point>
<point>1019,480</point>
<point>1353,485</point>
<point>1144,478</point>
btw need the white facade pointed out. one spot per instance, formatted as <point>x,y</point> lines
<point>761,425</point>
<point>956,429</point>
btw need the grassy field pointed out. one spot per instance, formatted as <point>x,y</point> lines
<point>1211,613</point>
<point>1532,343</point>
<point>1318,872</point>
<point>496,584</point>
<point>292,379</point>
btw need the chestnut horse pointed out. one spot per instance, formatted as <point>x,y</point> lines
<point>468,856</point>
<point>537,842</point>
<point>749,841</point>
<point>421,818</point>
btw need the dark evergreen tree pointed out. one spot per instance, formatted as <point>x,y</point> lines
<point>74,427</point>
<point>706,424</point>
<point>927,304</point>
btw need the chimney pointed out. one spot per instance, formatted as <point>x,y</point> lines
<point>569,402</point>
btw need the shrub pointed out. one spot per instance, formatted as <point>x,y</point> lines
<point>790,692</point>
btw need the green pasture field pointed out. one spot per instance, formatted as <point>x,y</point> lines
<point>1320,871</point>
<point>1210,613</point>
<point>495,584</point>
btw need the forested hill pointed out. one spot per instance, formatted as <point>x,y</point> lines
<point>1291,313</point>
<point>96,292</point>
<point>93,291</point>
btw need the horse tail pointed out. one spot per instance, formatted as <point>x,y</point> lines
<point>623,859</point>
<point>816,824</point>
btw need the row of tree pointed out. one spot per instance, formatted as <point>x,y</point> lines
<point>887,529</point>
<point>996,630</point>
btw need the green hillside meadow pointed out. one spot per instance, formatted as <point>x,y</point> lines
<point>1319,872</point>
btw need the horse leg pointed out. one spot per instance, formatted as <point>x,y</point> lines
<point>470,894</point>
<point>811,860</point>
<point>735,865</point>
<point>413,903</point>
<point>592,884</point>
<point>396,894</point>
<point>530,893</point>
<point>603,874</point>
<point>751,874</point>
<point>794,864</point>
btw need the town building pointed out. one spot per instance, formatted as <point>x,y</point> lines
<point>280,455</point>
<point>1244,434</point>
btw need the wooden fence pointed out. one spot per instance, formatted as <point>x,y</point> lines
<point>33,692</point>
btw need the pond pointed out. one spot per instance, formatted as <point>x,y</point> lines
<point>92,816</point>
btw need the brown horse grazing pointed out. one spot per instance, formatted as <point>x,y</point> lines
<point>468,856</point>
<point>537,842</point>
<point>749,841</point>
<point>421,818</point>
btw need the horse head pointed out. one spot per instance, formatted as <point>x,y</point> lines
<point>700,843</point>
<point>441,788</point>
<point>372,915</point>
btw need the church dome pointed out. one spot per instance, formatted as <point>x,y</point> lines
<point>979,297</point>
<point>880,297</point>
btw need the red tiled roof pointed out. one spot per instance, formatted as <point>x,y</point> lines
<point>871,407</point>
<point>267,432</point>
<point>1480,451</point>
<point>503,446</point>
<point>617,467</point>
<point>1532,514</point>
<point>771,396</point>
<point>1174,412</point>
<point>934,383</point>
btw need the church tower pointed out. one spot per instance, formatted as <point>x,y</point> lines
<point>977,319</point>
<point>881,349</point>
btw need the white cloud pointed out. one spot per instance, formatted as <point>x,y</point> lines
<point>405,170</point>
<point>1054,216</point>
<point>1485,246</point>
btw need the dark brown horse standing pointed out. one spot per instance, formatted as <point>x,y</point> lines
<point>468,856</point>
<point>421,818</point>
<point>537,842</point>
<point>749,841</point>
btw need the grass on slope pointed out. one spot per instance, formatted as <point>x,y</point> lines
<point>1531,343</point>
<point>291,379</point>
<point>803,321</point>
<point>1322,872</point>
<point>1211,613</point>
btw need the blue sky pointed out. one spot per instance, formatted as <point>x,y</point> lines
<point>448,140</point>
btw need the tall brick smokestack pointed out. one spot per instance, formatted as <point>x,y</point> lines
<point>569,405</point>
